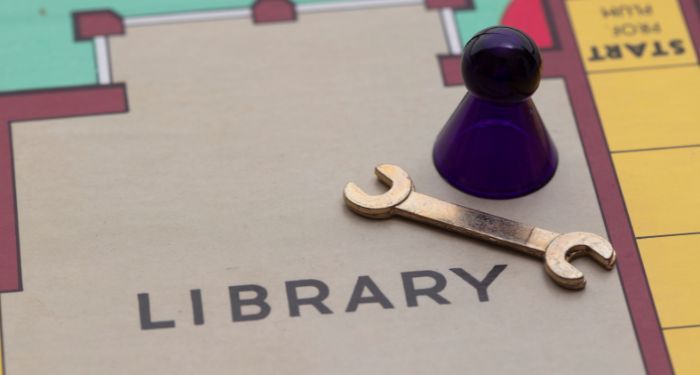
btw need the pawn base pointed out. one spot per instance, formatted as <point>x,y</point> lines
<point>495,150</point>
<point>465,188</point>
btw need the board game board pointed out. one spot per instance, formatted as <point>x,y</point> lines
<point>171,177</point>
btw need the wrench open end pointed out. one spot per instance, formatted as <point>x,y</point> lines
<point>569,246</point>
<point>380,206</point>
<point>557,249</point>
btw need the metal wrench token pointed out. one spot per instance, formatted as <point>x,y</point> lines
<point>556,249</point>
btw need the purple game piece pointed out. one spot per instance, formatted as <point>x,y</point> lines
<point>495,145</point>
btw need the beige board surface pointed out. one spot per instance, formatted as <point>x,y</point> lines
<point>228,170</point>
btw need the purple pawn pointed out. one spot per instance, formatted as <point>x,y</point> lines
<point>495,145</point>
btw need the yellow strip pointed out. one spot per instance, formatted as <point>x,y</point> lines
<point>649,108</point>
<point>684,346</point>
<point>630,34</point>
<point>671,265</point>
<point>661,190</point>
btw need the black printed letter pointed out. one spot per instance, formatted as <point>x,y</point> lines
<point>376,295</point>
<point>237,303</point>
<point>433,292</point>
<point>145,314</point>
<point>197,309</point>
<point>481,286</point>
<point>316,301</point>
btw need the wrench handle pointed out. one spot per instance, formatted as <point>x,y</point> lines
<point>501,231</point>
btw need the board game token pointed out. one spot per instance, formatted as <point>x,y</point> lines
<point>495,144</point>
<point>555,249</point>
<point>170,176</point>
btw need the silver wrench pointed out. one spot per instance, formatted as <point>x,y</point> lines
<point>556,249</point>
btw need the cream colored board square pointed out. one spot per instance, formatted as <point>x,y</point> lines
<point>642,33</point>
<point>229,169</point>
<point>684,346</point>
<point>661,189</point>
<point>649,108</point>
<point>671,265</point>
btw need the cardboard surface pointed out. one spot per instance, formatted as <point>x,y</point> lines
<point>228,170</point>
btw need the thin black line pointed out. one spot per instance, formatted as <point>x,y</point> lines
<point>669,235</point>
<point>44,119</point>
<point>2,343</point>
<point>126,96</point>
<point>18,258</point>
<point>186,21</point>
<point>681,327</point>
<point>95,63</point>
<point>618,70</point>
<point>654,149</point>
<point>549,17</point>
<point>383,6</point>
<point>109,60</point>
<point>178,12</point>
<point>74,21</point>
<point>57,89</point>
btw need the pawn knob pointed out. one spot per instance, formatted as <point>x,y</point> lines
<point>502,64</point>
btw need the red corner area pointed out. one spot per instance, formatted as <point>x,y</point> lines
<point>454,4</point>
<point>530,17</point>
<point>36,105</point>
<point>273,11</point>
<point>90,24</point>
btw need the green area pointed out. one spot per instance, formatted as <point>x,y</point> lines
<point>37,48</point>
<point>486,13</point>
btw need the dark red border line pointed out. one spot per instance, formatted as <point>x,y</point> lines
<point>273,11</point>
<point>691,11</point>
<point>454,4</point>
<point>567,63</point>
<point>36,105</point>
<point>47,104</point>
<point>89,24</point>
<point>9,247</point>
